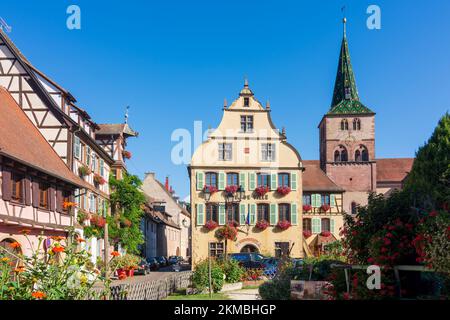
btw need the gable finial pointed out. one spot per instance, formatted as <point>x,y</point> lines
<point>268,105</point>
<point>225,103</point>
<point>344,20</point>
<point>245,82</point>
<point>126,114</point>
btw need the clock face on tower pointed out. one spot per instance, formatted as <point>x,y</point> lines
<point>349,139</point>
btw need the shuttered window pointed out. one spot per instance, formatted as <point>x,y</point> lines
<point>43,195</point>
<point>283,180</point>
<point>263,212</point>
<point>284,212</point>
<point>307,224</point>
<point>77,148</point>
<point>232,210</point>
<point>17,188</point>
<point>212,212</point>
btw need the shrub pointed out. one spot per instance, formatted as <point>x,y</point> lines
<point>200,278</point>
<point>232,270</point>
<point>127,261</point>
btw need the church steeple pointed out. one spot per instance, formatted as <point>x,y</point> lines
<point>345,95</point>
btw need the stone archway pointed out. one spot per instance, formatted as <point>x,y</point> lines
<point>249,248</point>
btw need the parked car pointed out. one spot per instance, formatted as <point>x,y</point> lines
<point>175,259</point>
<point>297,262</point>
<point>162,261</point>
<point>250,260</point>
<point>154,265</point>
<point>143,268</point>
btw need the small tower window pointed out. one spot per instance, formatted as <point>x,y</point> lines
<point>348,93</point>
<point>356,124</point>
<point>341,155</point>
<point>361,154</point>
<point>246,102</point>
<point>344,124</point>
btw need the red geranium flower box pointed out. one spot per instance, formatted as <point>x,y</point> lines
<point>284,190</point>
<point>210,189</point>
<point>231,189</point>
<point>261,191</point>
<point>325,234</point>
<point>325,207</point>
<point>211,225</point>
<point>99,179</point>
<point>307,208</point>
<point>227,232</point>
<point>233,223</point>
<point>284,224</point>
<point>262,224</point>
<point>307,234</point>
<point>126,154</point>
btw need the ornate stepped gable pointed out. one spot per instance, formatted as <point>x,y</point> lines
<point>345,95</point>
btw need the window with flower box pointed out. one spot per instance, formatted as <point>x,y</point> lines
<point>263,212</point>
<point>325,225</point>
<point>283,180</point>
<point>263,180</point>
<point>216,249</point>
<point>212,212</point>
<point>65,198</point>
<point>325,199</point>
<point>232,212</point>
<point>307,226</point>
<point>232,179</point>
<point>284,212</point>
<point>307,199</point>
<point>211,179</point>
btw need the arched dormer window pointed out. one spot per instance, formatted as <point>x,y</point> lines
<point>361,154</point>
<point>344,124</point>
<point>356,124</point>
<point>340,154</point>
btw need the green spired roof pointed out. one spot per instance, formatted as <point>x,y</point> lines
<point>345,95</point>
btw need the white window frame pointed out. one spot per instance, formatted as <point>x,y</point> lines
<point>225,151</point>
<point>268,152</point>
<point>77,148</point>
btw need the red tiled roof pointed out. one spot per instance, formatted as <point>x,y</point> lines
<point>314,179</point>
<point>394,169</point>
<point>23,142</point>
<point>110,128</point>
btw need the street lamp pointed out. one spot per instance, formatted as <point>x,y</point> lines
<point>207,194</point>
<point>241,192</point>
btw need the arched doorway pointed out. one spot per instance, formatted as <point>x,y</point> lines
<point>249,248</point>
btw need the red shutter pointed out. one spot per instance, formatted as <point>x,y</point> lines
<point>59,200</point>
<point>52,198</point>
<point>35,194</point>
<point>27,186</point>
<point>6,184</point>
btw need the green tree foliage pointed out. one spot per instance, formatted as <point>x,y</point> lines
<point>126,203</point>
<point>429,180</point>
<point>200,278</point>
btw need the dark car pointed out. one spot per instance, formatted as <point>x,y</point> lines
<point>162,261</point>
<point>175,259</point>
<point>154,265</point>
<point>250,260</point>
<point>143,268</point>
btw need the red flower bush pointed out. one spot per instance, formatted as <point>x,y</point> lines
<point>307,208</point>
<point>284,224</point>
<point>99,179</point>
<point>126,154</point>
<point>261,191</point>
<point>283,190</point>
<point>307,234</point>
<point>211,225</point>
<point>227,232</point>
<point>211,189</point>
<point>325,234</point>
<point>325,207</point>
<point>262,224</point>
<point>98,221</point>
<point>231,189</point>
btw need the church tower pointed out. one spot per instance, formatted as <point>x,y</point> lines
<point>347,137</point>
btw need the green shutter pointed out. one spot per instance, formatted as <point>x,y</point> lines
<point>252,181</point>
<point>221,184</point>
<point>221,214</point>
<point>332,200</point>
<point>332,225</point>
<point>242,178</point>
<point>273,214</point>
<point>273,181</point>
<point>315,225</point>
<point>294,214</point>
<point>252,214</point>
<point>200,180</point>
<point>200,214</point>
<point>242,214</point>
<point>317,200</point>
<point>294,181</point>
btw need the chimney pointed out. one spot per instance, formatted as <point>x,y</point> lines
<point>166,185</point>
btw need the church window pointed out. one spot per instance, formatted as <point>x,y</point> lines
<point>246,102</point>
<point>340,154</point>
<point>344,124</point>
<point>356,124</point>
<point>348,93</point>
<point>361,154</point>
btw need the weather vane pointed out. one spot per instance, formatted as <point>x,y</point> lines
<point>126,114</point>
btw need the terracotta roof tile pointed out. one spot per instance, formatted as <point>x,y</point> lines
<point>314,179</point>
<point>23,142</point>
<point>110,128</point>
<point>394,169</point>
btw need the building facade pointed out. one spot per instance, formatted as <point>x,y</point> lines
<point>246,153</point>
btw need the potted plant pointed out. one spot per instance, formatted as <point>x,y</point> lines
<point>84,171</point>
<point>283,190</point>
<point>307,207</point>
<point>98,179</point>
<point>262,224</point>
<point>325,207</point>
<point>231,189</point>
<point>210,189</point>
<point>211,225</point>
<point>262,190</point>
<point>307,234</point>
<point>82,216</point>
<point>126,154</point>
<point>227,232</point>
<point>284,224</point>
<point>98,221</point>
<point>325,234</point>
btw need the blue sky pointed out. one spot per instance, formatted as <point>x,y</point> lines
<point>174,62</point>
